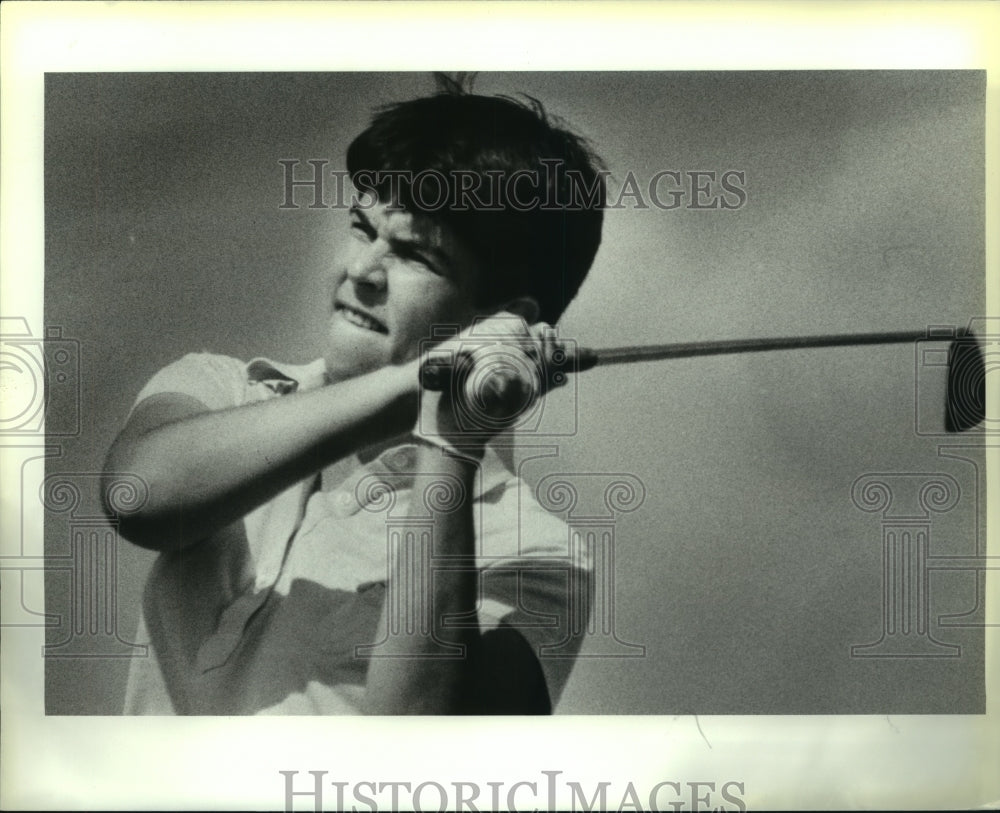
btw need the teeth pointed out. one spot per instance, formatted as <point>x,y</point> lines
<point>360,319</point>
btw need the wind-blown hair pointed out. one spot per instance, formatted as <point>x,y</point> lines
<point>523,193</point>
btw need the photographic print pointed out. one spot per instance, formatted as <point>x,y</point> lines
<point>766,498</point>
<point>648,398</point>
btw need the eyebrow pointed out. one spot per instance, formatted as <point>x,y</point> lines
<point>438,254</point>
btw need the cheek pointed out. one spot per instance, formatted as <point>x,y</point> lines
<point>443,304</point>
<point>331,282</point>
<point>338,259</point>
<point>422,310</point>
<point>338,264</point>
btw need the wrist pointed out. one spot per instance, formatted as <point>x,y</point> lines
<point>402,379</point>
<point>451,448</point>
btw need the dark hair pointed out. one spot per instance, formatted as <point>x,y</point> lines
<point>534,223</point>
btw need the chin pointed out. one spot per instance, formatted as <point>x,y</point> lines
<point>349,352</point>
<point>342,365</point>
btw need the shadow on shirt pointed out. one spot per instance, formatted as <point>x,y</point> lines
<point>297,653</point>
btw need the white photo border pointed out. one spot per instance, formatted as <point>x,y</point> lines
<point>214,763</point>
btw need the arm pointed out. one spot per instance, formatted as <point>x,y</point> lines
<point>499,671</point>
<point>406,680</point>
<point>205,469</point>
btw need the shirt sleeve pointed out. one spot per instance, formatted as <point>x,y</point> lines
<point>536,579</point>
<point>548,602</point>
<point>219,382</point>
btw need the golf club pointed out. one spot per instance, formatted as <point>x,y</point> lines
<point>965,403</point>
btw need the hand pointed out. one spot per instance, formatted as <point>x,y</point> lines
<point>500,367</point>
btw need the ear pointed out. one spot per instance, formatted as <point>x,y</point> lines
<point>524,306</point>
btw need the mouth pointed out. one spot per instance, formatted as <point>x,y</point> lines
<point>359,318</point>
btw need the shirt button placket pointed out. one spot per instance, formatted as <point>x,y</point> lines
<point>345,502</point>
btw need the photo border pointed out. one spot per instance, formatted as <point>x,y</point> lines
<point>785,762</point>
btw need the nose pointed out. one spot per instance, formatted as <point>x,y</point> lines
<point>367,267</point>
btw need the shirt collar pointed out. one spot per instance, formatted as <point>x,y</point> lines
<point>284,378</point>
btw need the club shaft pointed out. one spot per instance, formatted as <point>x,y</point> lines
<point>634,353</point>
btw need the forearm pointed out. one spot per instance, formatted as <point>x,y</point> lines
<point>409,676</point>
<point>207,470</point>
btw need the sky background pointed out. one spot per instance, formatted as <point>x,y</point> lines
<point>747,573</point>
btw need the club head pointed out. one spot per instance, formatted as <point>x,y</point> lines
<point>966,396</point>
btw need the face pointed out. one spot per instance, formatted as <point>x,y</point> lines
<point>394,278</point>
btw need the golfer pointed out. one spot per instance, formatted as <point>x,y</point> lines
<point>345,536</point>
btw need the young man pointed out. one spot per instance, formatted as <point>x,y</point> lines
<point>340,537</point>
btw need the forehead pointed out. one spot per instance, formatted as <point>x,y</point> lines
<point>403,224</point>
<point>375,204</point>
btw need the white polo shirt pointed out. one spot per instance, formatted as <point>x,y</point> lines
<point>276,613</point>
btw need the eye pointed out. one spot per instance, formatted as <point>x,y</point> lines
<point>362,229</point>
<point>414,255</point>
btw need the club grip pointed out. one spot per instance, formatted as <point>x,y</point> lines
<point>436,373</point>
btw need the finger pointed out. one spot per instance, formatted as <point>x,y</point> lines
<point>502,323</point>
<point>553,355</point>
<point>505,376</point>
<point>549,344</point>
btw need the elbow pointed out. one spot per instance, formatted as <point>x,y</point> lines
<point>145,534</point>
<point>125,500</point>
<point>124,492</point>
